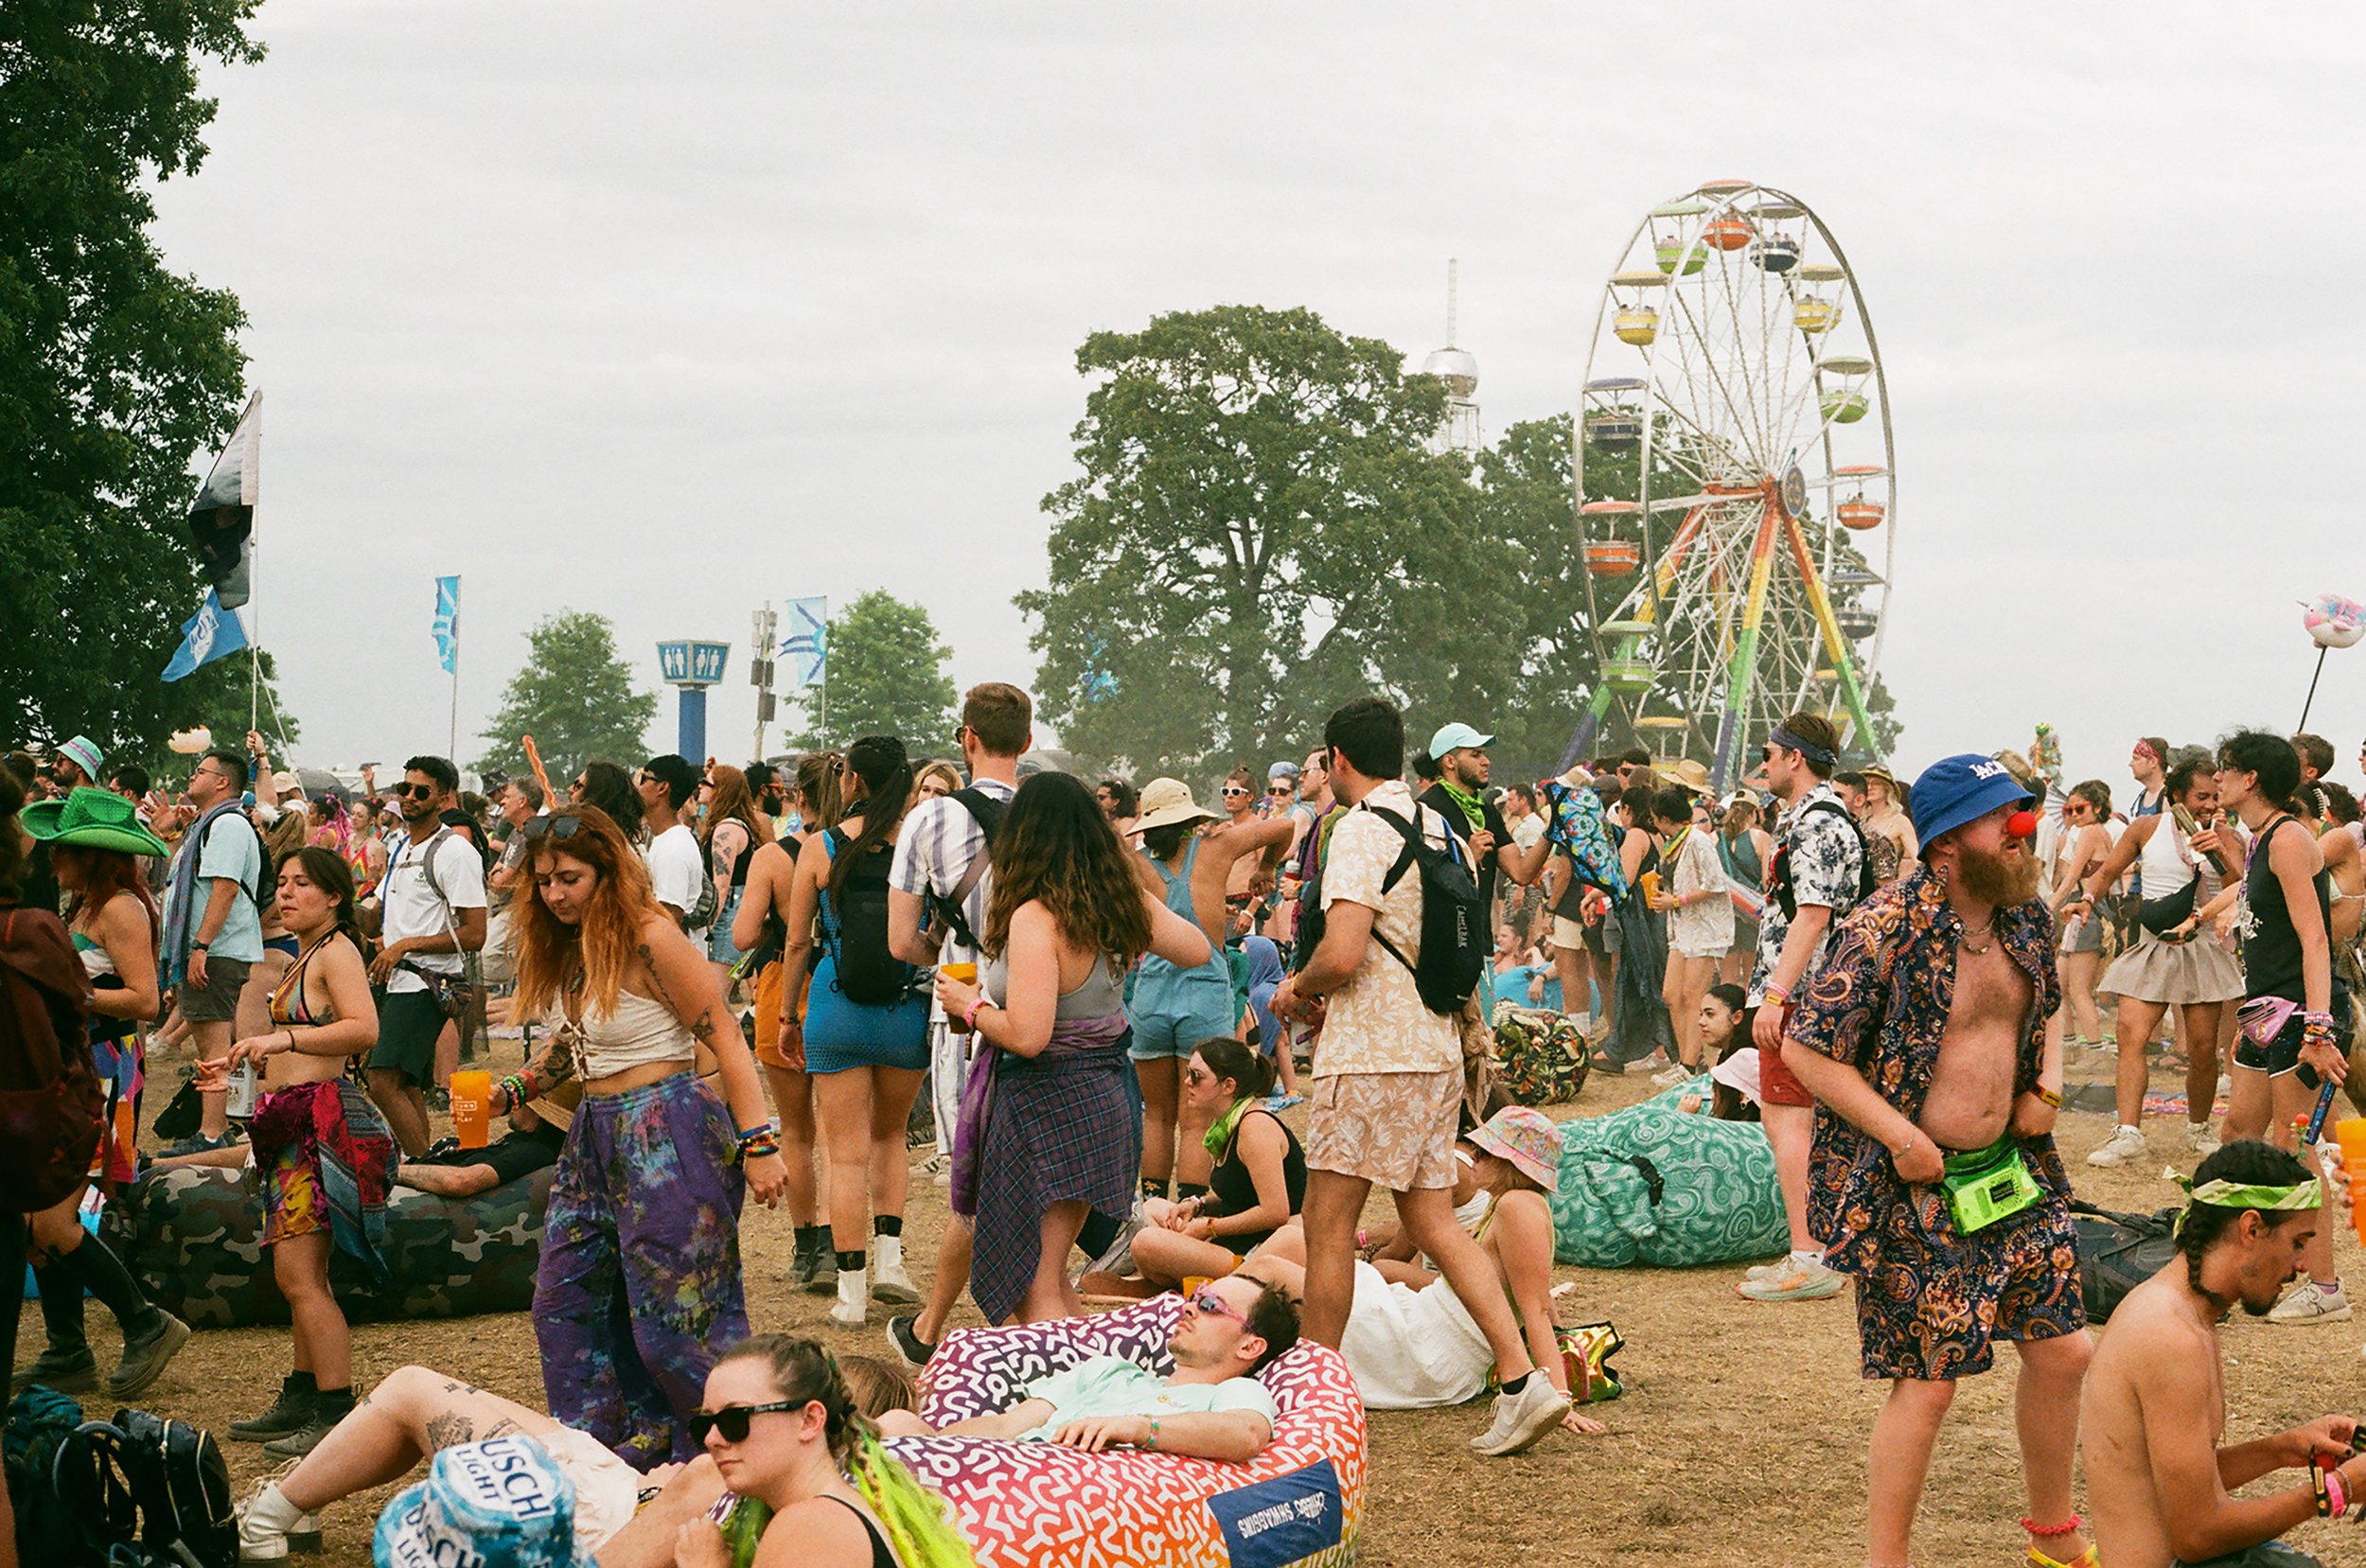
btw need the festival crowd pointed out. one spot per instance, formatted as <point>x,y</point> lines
<point>1157,1046</point>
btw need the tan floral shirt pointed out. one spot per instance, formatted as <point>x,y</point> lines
<point>1377,1022</point>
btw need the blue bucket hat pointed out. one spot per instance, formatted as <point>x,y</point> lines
<point>1959,789</point>
<point>501,1502</point>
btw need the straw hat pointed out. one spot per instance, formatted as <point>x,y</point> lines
<point>1166,801</point>
<point>1528,1139</point>
<point>1686,774</point>
<point>92,819</point>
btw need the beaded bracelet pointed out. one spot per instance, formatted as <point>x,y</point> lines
<point>2052,1532</point>
<point>759,1146</point>
<point>518,1087</point>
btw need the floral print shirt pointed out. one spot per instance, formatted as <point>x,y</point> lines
<point>1880,1004</point>
<point>1822,849</point>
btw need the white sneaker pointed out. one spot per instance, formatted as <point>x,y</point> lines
<point>2312,1303</point>
<point>889,1283</point>
<point>1792,1281</point>
<point>2124,1144</point>
<point>1522,1418</point>
<point>853,1300</point>
<point>267,1520</point>
<point>1765,1271</point>
<point>2201,1138</point>
<point>1669,1076</point>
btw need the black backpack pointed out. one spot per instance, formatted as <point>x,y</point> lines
<point>1454,921</point>
<point>868,973</point>
<point>2119,1252</point>
<point>143,1489</point>
<point>1779,887</point>
<point>945,909</point>
<point>40,1422</point>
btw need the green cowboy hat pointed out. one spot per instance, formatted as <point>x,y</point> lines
<point>92,819</point>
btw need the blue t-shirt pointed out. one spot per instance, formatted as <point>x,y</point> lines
<point>235,851</point>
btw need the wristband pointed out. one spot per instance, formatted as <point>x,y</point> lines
<point>515,1086</point>
<point>1778,994</point>
<point>759,1130</point>
<point>969,1018</point>
<point>2336,1493</point>
<point>2048,1096</point>
<point>1154,1434</point>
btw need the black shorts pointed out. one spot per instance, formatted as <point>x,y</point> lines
<point>511,1155</point>
<point>2283,1053</point>
<point>408,1023</point>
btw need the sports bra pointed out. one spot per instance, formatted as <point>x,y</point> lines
<point>286,999</point>
<point>639,1032</point>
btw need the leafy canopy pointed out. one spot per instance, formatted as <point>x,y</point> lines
<point>574,695</point>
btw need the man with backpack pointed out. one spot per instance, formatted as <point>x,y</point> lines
<point>213,925</point>
<point>433,916</point>
<point>936,906</point>
<point>1402,929</point>
<point>1818,873</point>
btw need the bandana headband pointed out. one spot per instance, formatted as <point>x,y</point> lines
<point>1823,756</point>
<point>2298,1198</point>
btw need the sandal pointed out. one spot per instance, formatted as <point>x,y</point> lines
<point>2087,1559</point>
<point>1604,1064</point>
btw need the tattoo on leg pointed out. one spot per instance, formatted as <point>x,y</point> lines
<point>448,1430</point>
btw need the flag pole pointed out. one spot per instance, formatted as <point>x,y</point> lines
<point>255,646</point>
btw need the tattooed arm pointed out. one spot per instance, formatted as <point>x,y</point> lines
<point>680,976</point>
<point>556,1066</point>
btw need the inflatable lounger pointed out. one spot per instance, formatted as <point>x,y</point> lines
<point>1665,1188</point>
<point>1037,1506</point>
<point>193,1236</point>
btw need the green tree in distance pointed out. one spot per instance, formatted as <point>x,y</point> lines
<point>1258,533</point>
<point>114,371</point>
<point>885,677</point>
<point>574,695</point>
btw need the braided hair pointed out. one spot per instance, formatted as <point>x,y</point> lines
<point>2247,1162</point>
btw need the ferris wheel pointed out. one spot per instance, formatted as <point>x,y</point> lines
<point>1737,486</point>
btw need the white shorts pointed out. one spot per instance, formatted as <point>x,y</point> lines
<point>1569,933</point>
<point>607,1491</point>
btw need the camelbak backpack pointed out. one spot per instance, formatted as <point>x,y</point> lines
<point>1454,919</point>
<point>867,972</point>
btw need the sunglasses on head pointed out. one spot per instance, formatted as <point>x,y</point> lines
<point>732,1420</point>
<point>415,792</point>
<point>1207,1301</point>
<point>559,826</point>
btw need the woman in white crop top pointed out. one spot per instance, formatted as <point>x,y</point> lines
<point>645,1205</point>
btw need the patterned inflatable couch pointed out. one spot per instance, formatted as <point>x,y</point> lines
<point>193,1236</point>
<point>1665,1188</point>
<point>1034,1506</point>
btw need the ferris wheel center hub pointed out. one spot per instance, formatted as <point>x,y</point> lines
<point>1795,492</point>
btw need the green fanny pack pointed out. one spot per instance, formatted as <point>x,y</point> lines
<point>1989,1185</point>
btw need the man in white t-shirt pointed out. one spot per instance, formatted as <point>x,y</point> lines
<point>425,936</point>
<point>1389,1071</point>
<point>939,871</point>
<point>678,872</point>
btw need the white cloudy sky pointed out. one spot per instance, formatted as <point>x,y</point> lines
<point>664,310</point>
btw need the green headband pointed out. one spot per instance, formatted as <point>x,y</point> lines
<point>2227,1194</point>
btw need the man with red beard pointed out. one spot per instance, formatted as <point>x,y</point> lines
<point>1935,1178</point>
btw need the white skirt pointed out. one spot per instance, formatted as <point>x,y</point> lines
<point>1410,1349</point>
<point>2172,973</point>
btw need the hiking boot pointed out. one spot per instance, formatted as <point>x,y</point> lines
<point>285,1416</point>
<point>2124,1144</point>
<point>889,1283</point>
<point>909,1348</point>
<point>1522,1418</point>
<point>801,1266</point>
<point>2312,1303</point>
<point>69,1370</point>
<point>320,1419</point>
<point>1794,1282</point>
<point>2201,1138</point>
<point>824,1279</point>
<point>145,1356</point>
<point>270,1526</point>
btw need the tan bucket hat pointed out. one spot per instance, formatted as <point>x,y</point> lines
<point>1166,801</point>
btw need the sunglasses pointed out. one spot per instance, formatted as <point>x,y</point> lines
<point>732,1420</point>
<point>1209,1303</point>
<point>1234,789</point>
<point>1196,1076</point>
<point>415,792</point>
<point>560,827</point>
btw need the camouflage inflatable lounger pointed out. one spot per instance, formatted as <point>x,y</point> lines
<point>193,1236</point>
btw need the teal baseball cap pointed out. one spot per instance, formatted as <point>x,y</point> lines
<point>1453,737</point>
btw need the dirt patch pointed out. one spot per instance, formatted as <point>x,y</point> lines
<point>1740,1441</point>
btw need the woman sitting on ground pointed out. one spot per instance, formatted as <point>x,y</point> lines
<point>1257,1185</point>
<point>1725,1037</point>
<point>325,1156</point>
<point>1410,1343</point>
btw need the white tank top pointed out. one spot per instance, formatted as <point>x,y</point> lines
<point>639,1032</point>
<point>2162,869</point>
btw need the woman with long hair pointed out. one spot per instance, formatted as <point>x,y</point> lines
<point>609,788</point>
<point>289,834</point>
<point>368,852</point>
<point>325,1157</point>
<point>1745,849</point>
<point>2088,836</point>
<point>1047,1111</point>
<point>761,927</point>
<point>785,1431</point>
<point>730,837</point>
<point>935,778</point>
<point>640,1270</point>
<point>93,835</point>
<point>1694,895</point>
<point>1257,1184</point>
<point>865,1030</point>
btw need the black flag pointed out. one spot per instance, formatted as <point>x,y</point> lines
<point>222,518</point>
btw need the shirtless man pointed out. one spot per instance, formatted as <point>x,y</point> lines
<point>1940,986</point>
<point>2155,1405</point>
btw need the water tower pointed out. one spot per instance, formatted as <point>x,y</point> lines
<point>1458,369</point>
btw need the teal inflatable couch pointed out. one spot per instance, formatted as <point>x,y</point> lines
<point>1665,1188</point>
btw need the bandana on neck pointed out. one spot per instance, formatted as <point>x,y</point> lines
<point>1221,1133</point>
<point>1473,809</point>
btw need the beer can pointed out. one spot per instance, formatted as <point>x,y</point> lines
<point>240,1102</point>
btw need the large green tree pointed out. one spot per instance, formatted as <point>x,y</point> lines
<point>574,695</point>
<point>885,675</point>
<point>1258,531</point>
<point>114,371</point>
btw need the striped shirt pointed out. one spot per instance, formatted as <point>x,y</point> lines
<point>934,851</point>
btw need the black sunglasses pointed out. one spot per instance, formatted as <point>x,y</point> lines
<point>415,792</point>
<point>561,826</point>
<point>732,1420</point>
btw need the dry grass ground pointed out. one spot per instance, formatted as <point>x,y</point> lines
<point>1741,1438</point>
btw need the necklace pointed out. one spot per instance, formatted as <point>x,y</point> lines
<point>1988,928</point>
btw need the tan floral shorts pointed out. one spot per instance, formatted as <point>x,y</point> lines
<point>1392,1129</point>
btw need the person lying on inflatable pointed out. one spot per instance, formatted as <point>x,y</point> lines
<point>1211,1408</point>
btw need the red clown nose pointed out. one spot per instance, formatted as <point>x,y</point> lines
<point>2022,824</point>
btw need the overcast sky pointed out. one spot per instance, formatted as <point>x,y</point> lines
<point>659,310</point>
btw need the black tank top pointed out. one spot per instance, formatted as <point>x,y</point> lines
<point>1230,1184</point>
<point>881,1555</point>
<point>2271,949</point>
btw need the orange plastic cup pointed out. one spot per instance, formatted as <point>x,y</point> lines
<point>472,1108</point>
<point>2351,1136</point>
<point>967,975</point>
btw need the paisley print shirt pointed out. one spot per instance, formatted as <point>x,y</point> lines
<point>1879,1003</point>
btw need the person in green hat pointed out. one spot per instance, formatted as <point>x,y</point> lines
<point>93,835</point>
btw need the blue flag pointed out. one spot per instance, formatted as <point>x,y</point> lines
<point>807,647</point>
<point>447,626</point>
<point>206,636</point>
